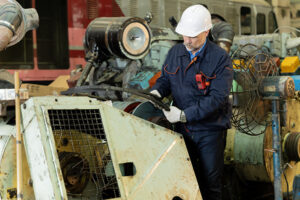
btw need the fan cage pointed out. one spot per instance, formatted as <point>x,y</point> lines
<point>251,113</point>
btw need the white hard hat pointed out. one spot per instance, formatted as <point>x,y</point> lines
<point>194,20</point>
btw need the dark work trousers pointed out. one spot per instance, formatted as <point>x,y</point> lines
<point>206,150</point>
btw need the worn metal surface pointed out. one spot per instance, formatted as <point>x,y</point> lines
<point>149,161</point>
<point>6,130</point>
<point>291,168</point>
<point>253,155</point>
<point>276,145</point>
<point>41,151</point>
<point>9,94</point>
<point>63,147</point>
<point>8,173</point>
<point>291,146</point>
<point>277,87</point>
<point>159,156</point>
<point>296,79</point>
<point>248,156</point>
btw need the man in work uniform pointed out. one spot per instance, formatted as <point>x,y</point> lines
<point>199,75</point>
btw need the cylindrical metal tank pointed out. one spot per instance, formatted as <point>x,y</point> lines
<point>122,37</point>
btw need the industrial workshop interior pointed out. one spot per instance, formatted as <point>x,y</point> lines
<point>149,99</point>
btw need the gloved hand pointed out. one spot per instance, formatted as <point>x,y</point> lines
<point>174,115</point>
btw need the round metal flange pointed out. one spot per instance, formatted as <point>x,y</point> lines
<point>136,38</point>
<point>291,146</point>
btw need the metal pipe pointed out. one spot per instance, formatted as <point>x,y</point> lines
<point>5,36</point>
<point>89,65</point>
<point>277,150</point>
<point>18,138</point>
<point>34,42</point>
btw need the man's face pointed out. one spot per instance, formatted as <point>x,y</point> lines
<point>193,44</point>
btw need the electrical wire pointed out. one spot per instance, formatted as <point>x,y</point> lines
<point>287,183</point>
<point>88,90</point>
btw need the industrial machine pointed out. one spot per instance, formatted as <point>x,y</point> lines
<point>78,152</point>
<point>265,138</point>
<point>83,148</point>
<point>258,83</point>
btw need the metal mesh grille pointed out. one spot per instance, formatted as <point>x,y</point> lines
<point>155,12</point>
<point>83,152</point>
<point>170,10</point>
<point>133,8</point>
<point>92,9</point>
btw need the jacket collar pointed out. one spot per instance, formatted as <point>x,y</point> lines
<point>184,52</point>
<point>205,55</point>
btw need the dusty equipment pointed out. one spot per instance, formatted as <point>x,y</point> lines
<point>119,54</point>
<point>79,148</point>
<point>75,150</point>
<point>281,45</point>
<point>123,37</point>
<point>257,81</point>
<point>128,53</point>
<point>257,89</point>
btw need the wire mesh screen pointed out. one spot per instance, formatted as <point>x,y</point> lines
<point>83,153</point>
<point>252,65</point>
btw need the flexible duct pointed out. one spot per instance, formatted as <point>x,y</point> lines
<point>222,33</point>
<point>15,22</point>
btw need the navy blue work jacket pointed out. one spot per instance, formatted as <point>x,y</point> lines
<point>205,109</point>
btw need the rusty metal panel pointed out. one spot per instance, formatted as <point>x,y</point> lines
<point>8,172</point>
<point>157,157</point>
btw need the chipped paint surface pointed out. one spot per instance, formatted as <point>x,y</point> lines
<point>78,14</point>
<point>163,168</point>
<point>253,156</point>
<point>8,173</point>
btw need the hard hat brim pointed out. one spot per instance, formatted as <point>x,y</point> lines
<point>180,30</point>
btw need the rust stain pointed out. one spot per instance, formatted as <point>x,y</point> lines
<point>77,16</point>
<point>11,193</point>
